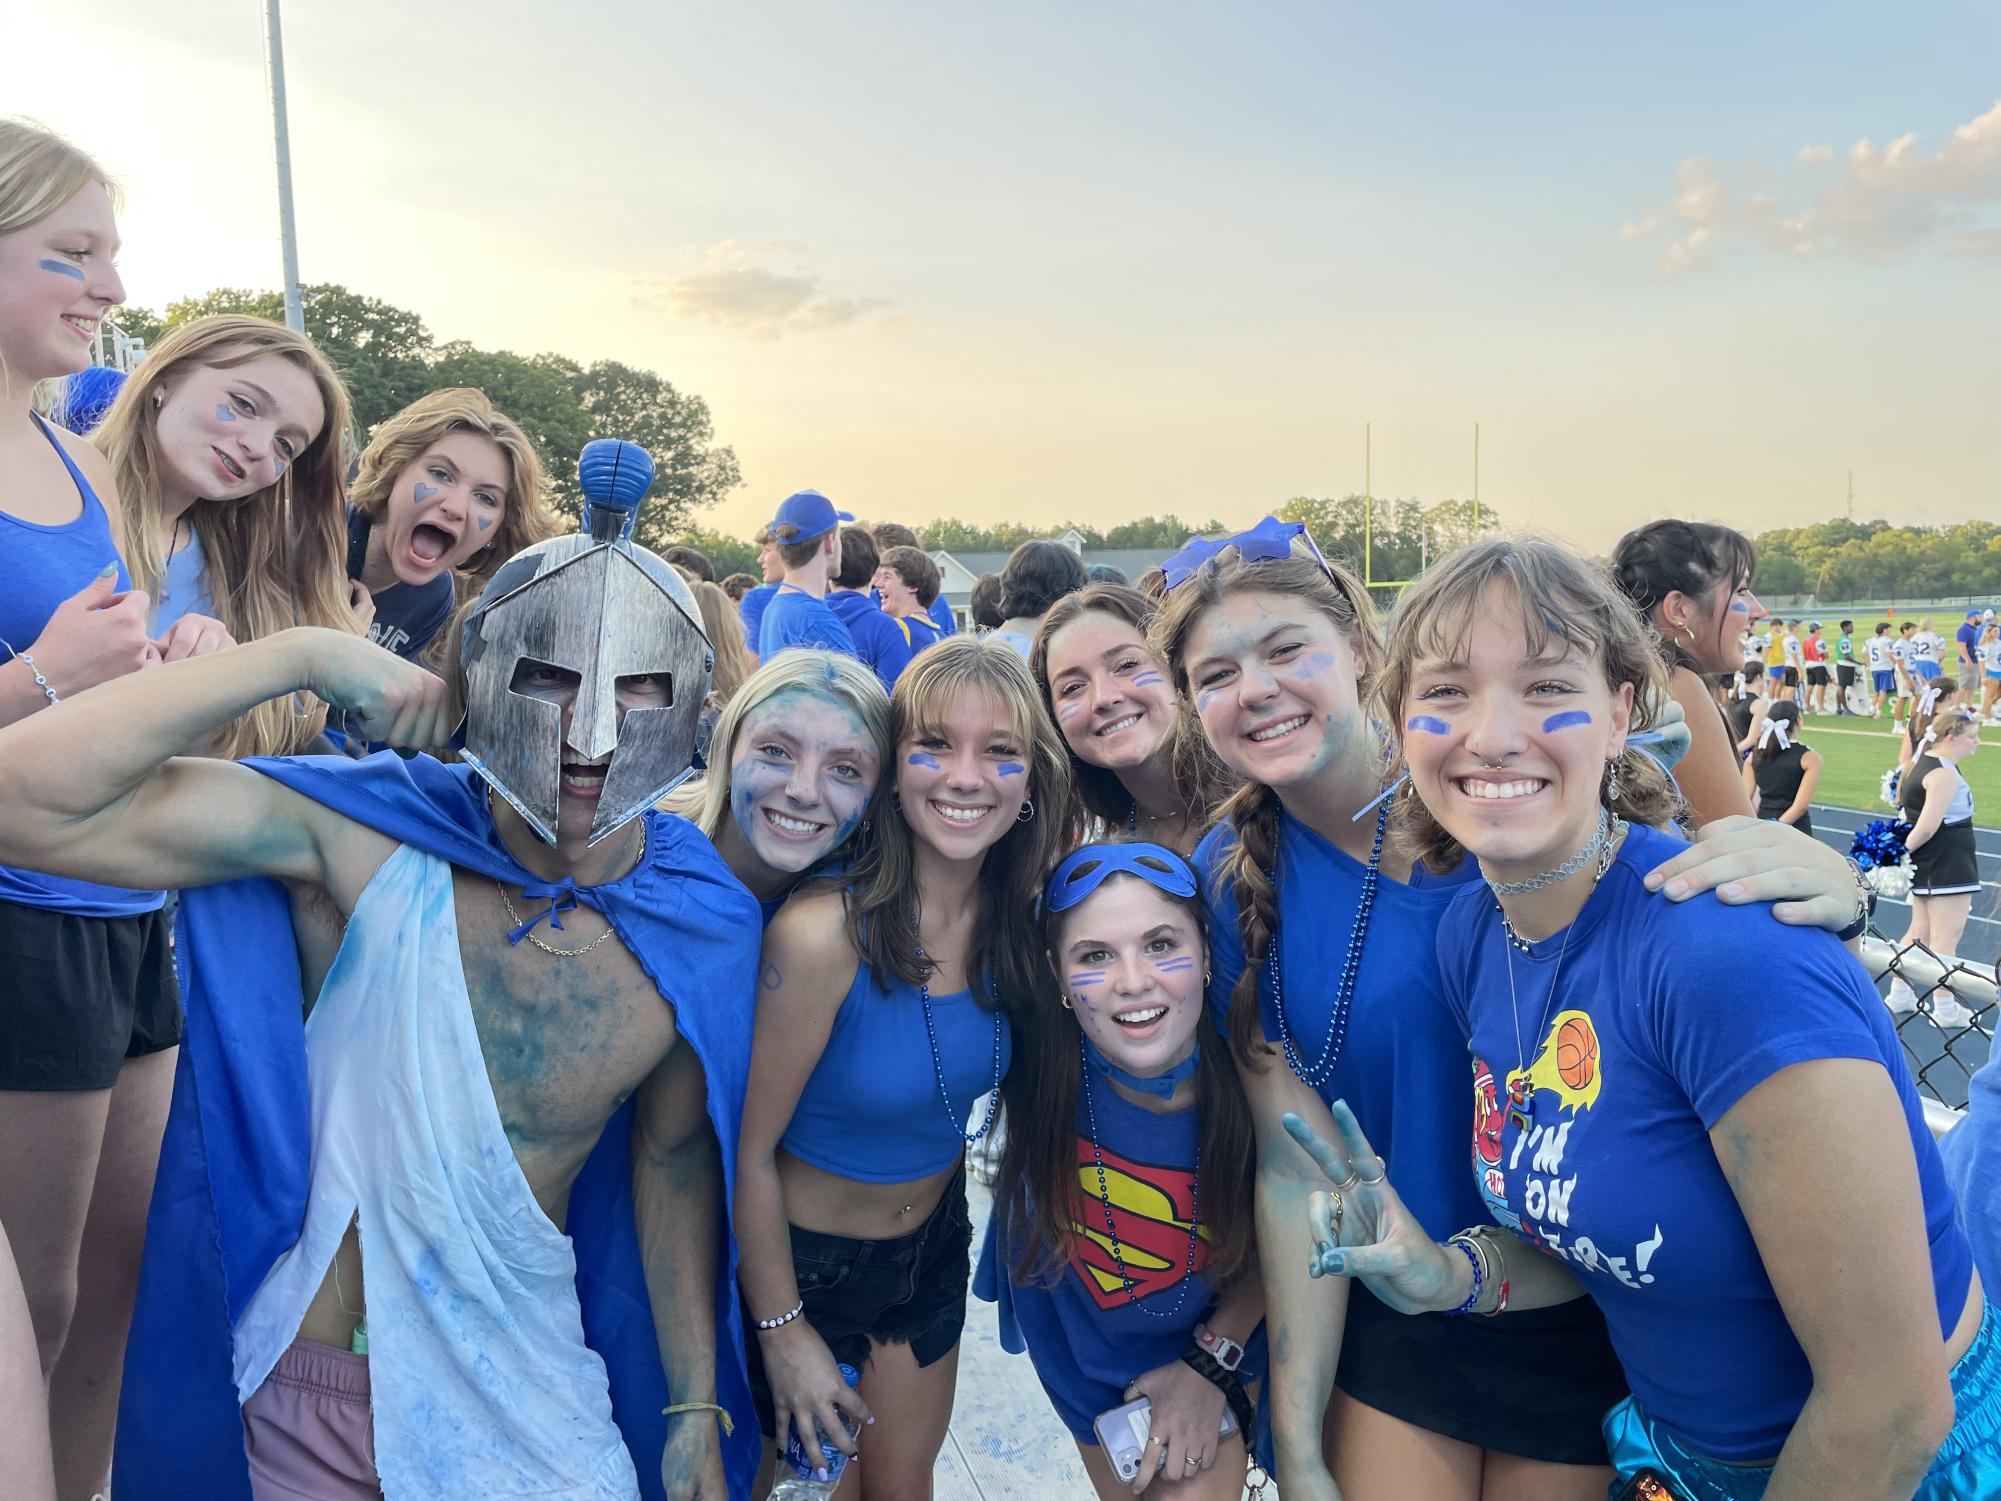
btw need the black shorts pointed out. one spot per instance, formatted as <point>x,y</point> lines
<point>1792,677</point>
<point>1817,676</point>
<point>1533,1384</point>
<point>80,995</point>
<point>908,1291</point>
<point>1845,671</point>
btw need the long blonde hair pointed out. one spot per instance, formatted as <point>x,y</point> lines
<point>39,173</point>
<point>275,559</point>
<point>735,661</point>
<point>399,441</point>
<point>705,801</point>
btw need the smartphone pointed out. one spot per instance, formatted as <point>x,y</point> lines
<point>1649,1485</point>
<point>1123,1433</point>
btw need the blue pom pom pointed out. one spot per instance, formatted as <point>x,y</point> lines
<point>613,472</point>
<point>1880,844</point>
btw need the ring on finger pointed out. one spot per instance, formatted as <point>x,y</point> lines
<point>1351,1180</point>
<point>1377,1176</point>
<point>1340,1207</point>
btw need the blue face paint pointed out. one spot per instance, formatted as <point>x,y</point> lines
<point>1740,607</point>
<point>224,412</point>
<point>1429,725</point>
<point>1068,712</point>
<point>421,492</point>
<point>64,268</point>
<point>484,522</point>
<point>1086,977</point>
<point>1206,698</point>
<point>1009,768</point>
<point>1565,720</point>
<point>1319,661</point>
<point>1175,965</point>
<point>924,759</point>
<point>1147,679</point>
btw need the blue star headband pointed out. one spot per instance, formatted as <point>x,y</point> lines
<point>1086,869</point>
<point>1270,538</point>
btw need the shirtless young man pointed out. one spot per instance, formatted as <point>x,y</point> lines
<point>426,1222</point>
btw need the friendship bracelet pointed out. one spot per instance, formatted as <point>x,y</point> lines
<point>40,681</point>
<point>784,1318</point>
<point>1475,1259</point>
<point>722,1413</point>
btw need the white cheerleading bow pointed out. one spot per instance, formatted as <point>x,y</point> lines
<point>1738,689</point>
<point>1774,729</point>
<point>1926,698</point>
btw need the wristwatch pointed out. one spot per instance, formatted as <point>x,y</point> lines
<point>1865,904</point>
<point>1220,1348</point>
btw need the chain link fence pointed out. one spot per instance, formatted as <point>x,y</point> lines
<point>1946,1010</point>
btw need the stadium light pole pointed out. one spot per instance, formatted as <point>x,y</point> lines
<point>288,234</point>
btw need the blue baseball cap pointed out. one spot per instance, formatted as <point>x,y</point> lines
<point>808,514</point>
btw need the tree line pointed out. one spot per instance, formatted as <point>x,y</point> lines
<point>1854,560</point>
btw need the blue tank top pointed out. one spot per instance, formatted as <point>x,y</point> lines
<point>871,1109</point>
<point>40,567</point>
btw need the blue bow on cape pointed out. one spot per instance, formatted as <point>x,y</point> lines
<point>230,1195</point>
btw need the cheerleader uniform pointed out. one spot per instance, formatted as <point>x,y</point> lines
<point>1654,1029</point>
<point>1944,865</point>
<point>1778,777</point>
<point>1398,1058</point>
<point>1135,1285</point>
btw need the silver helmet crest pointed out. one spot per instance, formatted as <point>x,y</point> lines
<point>597,605</point>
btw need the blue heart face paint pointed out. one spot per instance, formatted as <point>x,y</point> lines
<point>64,268</point>
<point>1426,724</point>
<point>1568,719</point>
<point>224,412</point>
<point>924,759</point>
<point>421,492</point>
<point>1006,768</point>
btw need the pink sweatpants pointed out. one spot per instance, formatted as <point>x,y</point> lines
<point>307,1429</point>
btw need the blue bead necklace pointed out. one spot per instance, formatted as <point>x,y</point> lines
<point>1111,1228</point>
<point>938,1063</point>
<point>1322,1068</point>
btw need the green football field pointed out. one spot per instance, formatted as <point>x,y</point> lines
<point>1856,752</point>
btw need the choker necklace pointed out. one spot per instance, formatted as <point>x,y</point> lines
<point>1598,847</point>
<point>1161,1085</point>
<point>1104,1197</point>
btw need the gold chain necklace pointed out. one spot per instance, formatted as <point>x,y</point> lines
<point>515,919</point>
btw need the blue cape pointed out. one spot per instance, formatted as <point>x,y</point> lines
<point>231,1192</point>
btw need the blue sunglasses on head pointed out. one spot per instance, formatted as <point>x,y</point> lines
<point>1086,869</point>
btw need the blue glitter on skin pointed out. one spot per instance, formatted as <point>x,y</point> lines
<point>1006,768</point>
<point>421,492</point>
<point>1565,720</point>
<point>1429,725</point>
<point>1147,679</point>
<point>1175,965</point>
<point>924,759</point>
<point>64,268</point>
<point>225,413</point>
<point>1085,977</point>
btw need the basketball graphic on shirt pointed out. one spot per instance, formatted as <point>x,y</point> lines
<point>1566,1065</point>
<point>1150,1209</point>
<point>1576,1052</point>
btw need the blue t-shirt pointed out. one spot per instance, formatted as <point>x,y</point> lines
<point>750,610</point>
<point>942,617</point>
<point>408,617</point>
<point>794,618</point>
<point>879,640</point>
<point>1968,637</point>
<point>1086,1335</point>
<point>1657,1024</point>
<point>1971,1152</point>
<point>1403,1061</point>
<point>183,589</point>
<point>40,567</point>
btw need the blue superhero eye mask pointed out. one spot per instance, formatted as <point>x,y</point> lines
<point>1085,870</point>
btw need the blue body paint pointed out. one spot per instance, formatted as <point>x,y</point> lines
<point>1175,965</point>
<point>64,268</point>
<point>224,412</point>
<point>1147,679</point>
<point>1429,725</point>
<point>421,492</point>
<point>1085,977</point>
<point>924,759</point>
<point>1565,720</point>
<point>1009,768</point>
<point>484,522</point>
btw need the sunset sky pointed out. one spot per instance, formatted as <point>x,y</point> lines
<point>1040,261</point>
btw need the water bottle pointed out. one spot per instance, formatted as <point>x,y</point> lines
<point>796,1481</point>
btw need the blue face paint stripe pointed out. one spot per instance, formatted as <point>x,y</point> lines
<point>1147,679</point>
<point>64,268</point>
<point>224,412</point>
<point>1568,719</point>
<point>1175,966</point>
<point>1085,977</point>
<point>1427,724</point>
<point>924,759</point>
<point>1009,768</point>
<point>1740,607</point>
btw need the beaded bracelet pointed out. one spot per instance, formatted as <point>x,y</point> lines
<point>1476,1259</point>
<point>784,1318</point>
<point>40,681</point>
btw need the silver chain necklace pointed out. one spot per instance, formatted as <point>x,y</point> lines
<point>1599,845</point>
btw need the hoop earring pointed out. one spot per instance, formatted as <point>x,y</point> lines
<point>1064,999</point>
<point>1611,782</point>
<point>1027,811</point>
<point>1687,635</point>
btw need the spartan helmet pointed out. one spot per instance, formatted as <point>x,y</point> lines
<point>597,605</point>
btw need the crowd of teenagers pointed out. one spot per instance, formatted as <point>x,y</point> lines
<point>573,1097</point>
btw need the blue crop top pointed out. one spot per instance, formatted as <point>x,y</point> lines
<point>40,567</point>
<point>871,1109</point>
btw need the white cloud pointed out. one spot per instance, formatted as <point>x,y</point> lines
<point>1882,204</point>
<point>733,285</point>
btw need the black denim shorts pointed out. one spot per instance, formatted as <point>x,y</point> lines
<point>907,1291</point>
<point>80,995</point>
